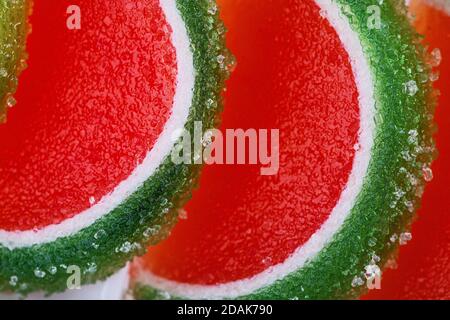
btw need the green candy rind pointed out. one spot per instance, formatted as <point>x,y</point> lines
<point>147,215</point>
<point>395,57</point>
<point>14,29</point>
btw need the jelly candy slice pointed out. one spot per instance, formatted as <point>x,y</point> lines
<point>355,142</point>
<point>85,171</point>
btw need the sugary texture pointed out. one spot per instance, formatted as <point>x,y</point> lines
<point>292,73</point>
<point>423,266</point>
<point>399,167</point>
<point>90,106</point>
<point>14,29</point>
<point>147,215</point>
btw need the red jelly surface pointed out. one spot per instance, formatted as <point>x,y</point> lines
<point>294,75</point>
<point>424,264</point>
<point>90,106</point>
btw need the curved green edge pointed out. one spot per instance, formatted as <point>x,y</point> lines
<point>395,176</point>
<point>147,215</point>
<point>14,29</point>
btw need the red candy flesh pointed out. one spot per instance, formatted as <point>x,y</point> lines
<point>90,106</point>
<point>292,74</point>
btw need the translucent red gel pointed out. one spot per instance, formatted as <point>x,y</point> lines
<point>292,74</point>
<point>90,106</point>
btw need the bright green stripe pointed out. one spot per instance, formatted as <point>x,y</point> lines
<point>146,207</point>
<point>395,57</point>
